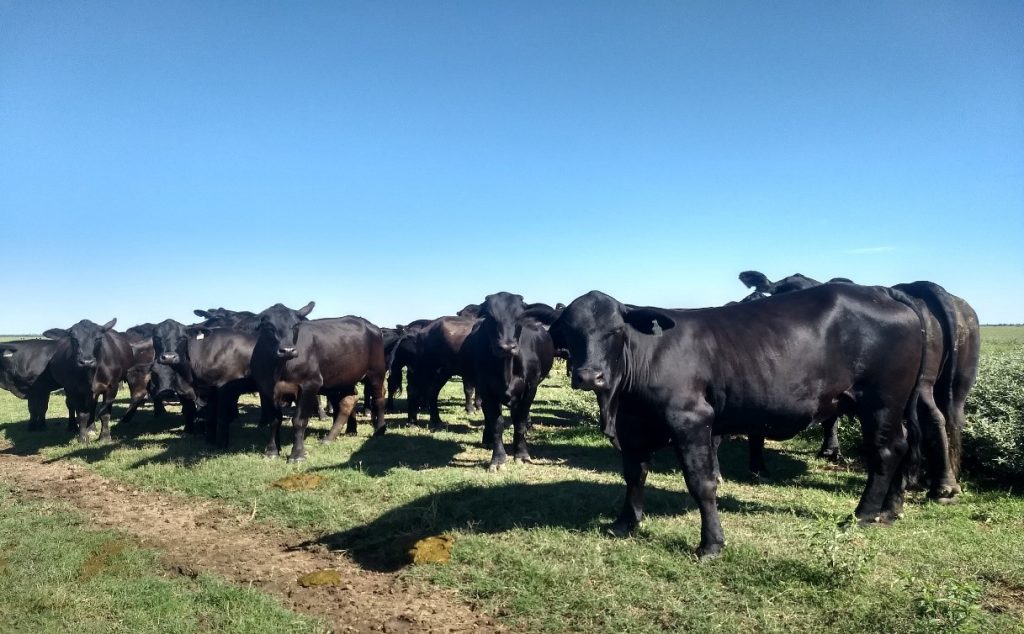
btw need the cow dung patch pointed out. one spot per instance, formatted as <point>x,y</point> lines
<point>299,482</point>
<point>99,560</point>
<point>436,549</point>
<point>320,578</point>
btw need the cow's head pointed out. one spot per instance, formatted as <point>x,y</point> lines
<point>279,327</point>
<point>596,329</point>
<point>170,342</point>
<point>85,339</point>
<point>500,312</point>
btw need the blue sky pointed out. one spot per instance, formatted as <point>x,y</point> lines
<point>399,160</point>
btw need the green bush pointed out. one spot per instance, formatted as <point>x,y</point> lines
<point>994,435</point>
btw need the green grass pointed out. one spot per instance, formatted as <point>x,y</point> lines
<point>56,575</point>
<point>529,545</point>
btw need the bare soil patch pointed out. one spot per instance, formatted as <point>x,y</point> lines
<point>206,537</point>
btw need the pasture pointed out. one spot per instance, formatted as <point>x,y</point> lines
<point>529,546</point>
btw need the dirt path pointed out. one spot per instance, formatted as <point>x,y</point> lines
<point>197,537</point>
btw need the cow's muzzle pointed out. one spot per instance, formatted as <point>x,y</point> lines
<point>87,363</point>
<point>286,352</point>
<point>168,358</point>
<point>510,347</point>
<point>585,379</point>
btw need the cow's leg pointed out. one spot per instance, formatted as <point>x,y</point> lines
<point>84,417</point>
<point>434,393</point>
<point>830,440</point>
<point>188,412</point>
<point>469,393</point>
<point>37,404</point>
<point>495,424</point>
<point>321,414</point>
<point>104,413</point>
<point>520,411</point>
<point>273,414</point>
<point>756,463</point>
<point>227,412</point>
<point>695,446</point>
<point>136,401</point>
<point>717,441</point>
<point>885,444</point>
<point>635,465</point>
<point>373,387</point>
<point>305,407</point>
<point>394,387</point>
<point>941,480</point>
<point>342,412</point>
<point>72,415</point>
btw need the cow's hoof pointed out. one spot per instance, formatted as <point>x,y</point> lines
<point>271,455</point>
<point>943,499</point>
<point>379,431</point>
<point>620,529</point>
<point>83,439</point>
<point>719,479</point>
<point>709,552</point>
<point>494,467</point>
<point>296,459</point>
<point>326,441</point>
<point>869,520</point>
<point>523,459</point>
<point>106,437</point>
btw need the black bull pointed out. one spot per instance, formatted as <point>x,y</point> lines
<point>770,368</point>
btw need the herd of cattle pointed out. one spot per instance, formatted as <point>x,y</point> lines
<point>792,354</point>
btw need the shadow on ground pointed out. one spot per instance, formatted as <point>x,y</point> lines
<point>383,545</point>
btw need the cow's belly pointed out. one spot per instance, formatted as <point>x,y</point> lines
<point>779,422</point>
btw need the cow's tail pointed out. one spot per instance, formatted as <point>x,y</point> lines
<point>391,364</point>
<point>912,462</point>
<point>940,302</point>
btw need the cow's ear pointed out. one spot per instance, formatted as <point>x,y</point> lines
<point>55,333</point>
<point>557,336</point>
<point>201,313</point>
<point>199,332</point>
<point>645,319</point>
<point>110,324</point>
<point>307,309</point>
<point>756,280</point>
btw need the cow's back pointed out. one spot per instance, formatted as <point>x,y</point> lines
<point>783,363</point>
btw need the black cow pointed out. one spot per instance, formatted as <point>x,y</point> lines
<point>24,372</point>
<point>140,376</point>
<point>506,357</point>
<point>225,318</point>
<point>89,362</point>
<point>471,311</point>
<point>401,353</point>
<point>435,360</point>
<point>949,369</point>
<point>212,370</point>
<point>296,360</point>
<point>770,368</point>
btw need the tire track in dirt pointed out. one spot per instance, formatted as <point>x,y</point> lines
<point>206,537</point>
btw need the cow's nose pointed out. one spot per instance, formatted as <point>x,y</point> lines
<point>169,357</point>
<point>510,346</point>
<point>584,379</point>
<point>286,351</point>
<point>87,363</point>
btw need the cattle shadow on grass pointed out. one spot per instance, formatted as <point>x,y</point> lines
<point>26,442</point>
<point>380,454</point>
<point>383,545</point>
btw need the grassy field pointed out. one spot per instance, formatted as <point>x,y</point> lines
<point>56,575</point>
<point>529,545</point>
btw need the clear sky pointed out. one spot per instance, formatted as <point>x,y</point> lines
<point>400,160</point>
